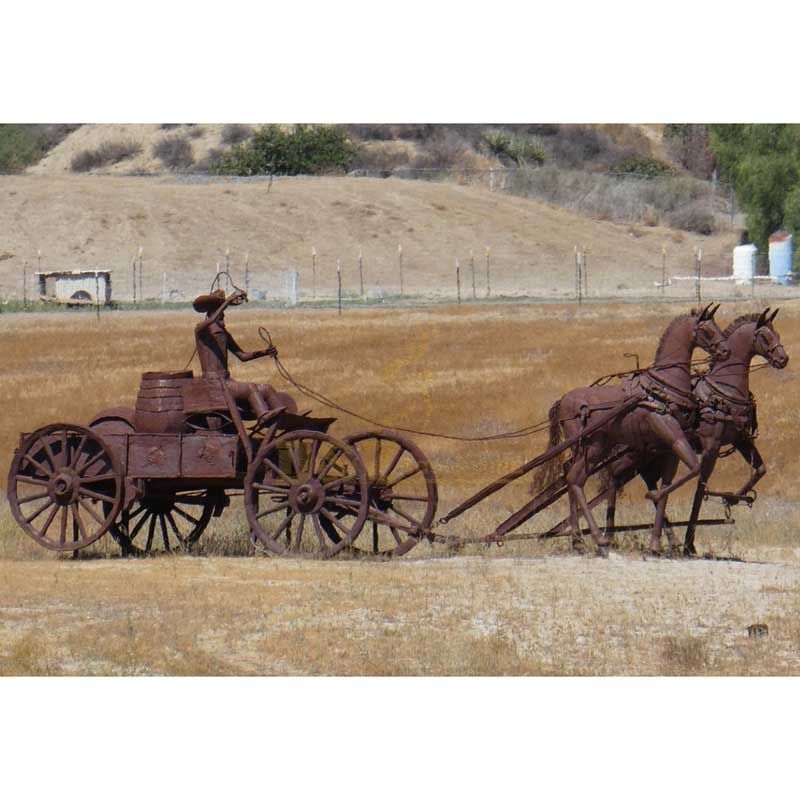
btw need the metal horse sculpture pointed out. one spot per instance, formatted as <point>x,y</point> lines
<point>658,404</point>
<point>727,416</point>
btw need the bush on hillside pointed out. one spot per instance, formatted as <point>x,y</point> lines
<point>696,217</point>
<point>235,134</point>
<point>645,166</point>
<point>108,153</point>
<point>23,145</point>
<point>513,148</point>
<point>174,152</point>
<point>306,150</point>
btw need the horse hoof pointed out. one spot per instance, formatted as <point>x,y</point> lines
<point>602,551</point>
<point>653,552</point>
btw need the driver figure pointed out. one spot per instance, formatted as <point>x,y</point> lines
<point>213,342</point>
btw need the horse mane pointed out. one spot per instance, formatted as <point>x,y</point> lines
<point>743,320</point>
<point>669,329</point>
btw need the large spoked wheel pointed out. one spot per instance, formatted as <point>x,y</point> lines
<point>64,487</point>
<point>402,493</point>
<point>299,480</point>
<point>164,523</point>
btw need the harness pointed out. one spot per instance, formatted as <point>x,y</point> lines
<point>717,405</point>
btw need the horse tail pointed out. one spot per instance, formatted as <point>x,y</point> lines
<point>550,471</point>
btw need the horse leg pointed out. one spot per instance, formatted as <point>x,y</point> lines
<point>711,444</point>
<point>576,478</point>
<point>621,472</point>
<point>749,451</point>
<point>664,468</point>
<point>670,433</point>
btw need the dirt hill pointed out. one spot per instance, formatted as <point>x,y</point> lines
<point>185,226</point>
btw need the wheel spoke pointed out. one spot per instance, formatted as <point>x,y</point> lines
<point>375,535</point>
<point>299,537</point>
<point>282,527</point>
<point>106,476</point>
<point>105,498</point>
<point>330,460</point>
<point>395,534</point>
<point>394,462</point>
<point>186,515</point>
<point>272,487</point>
<point>38,511</point>
<point>64,448</point>
<point>50,517</point>
<point>139,525</point>
<point>77,516</point>
<point>320,535</point>
<point>292,448</point>
<point>414,522</point>
<point>337,522</point>
<point>404,476</point>
<point>175,528</point>
<point>62,538</point>
<point>150,533</point>
<point>312,457</point>
<point>48,450</point>
<point>335,484</point>
<point>279,507</point>
<point>95,457</point>
<point>275,468</point>
<point>32,497</point>
<point>36,465</point>
<point>378,443</point>
<point>91,511</point>
<point>164,531</point>
<point>410,497</point>
<point>77,452</point>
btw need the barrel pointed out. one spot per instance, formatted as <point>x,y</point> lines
<point>744,263</point>
<point>159,404</point>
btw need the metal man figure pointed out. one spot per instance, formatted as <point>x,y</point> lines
<point>213,343</point>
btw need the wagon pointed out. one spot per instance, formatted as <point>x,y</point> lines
<point>155,476</point>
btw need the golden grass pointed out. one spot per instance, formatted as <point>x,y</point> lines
<point>528,608</point>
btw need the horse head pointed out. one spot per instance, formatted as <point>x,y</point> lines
<point>767,341</point>
<point>707,334</point>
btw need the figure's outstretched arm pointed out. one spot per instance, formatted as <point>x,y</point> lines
<point>243,355</point>
<point>235,299</point>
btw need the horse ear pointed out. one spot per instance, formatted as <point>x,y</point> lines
<point>774,314</point>
<point>714,310</point>
<point>762,320</point>
<point>704,315</point>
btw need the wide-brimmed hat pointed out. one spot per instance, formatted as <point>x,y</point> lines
<point>208,302</point>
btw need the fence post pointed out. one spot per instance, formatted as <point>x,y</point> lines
<point>25,283</point>
<point>133,272</point>
<point>458,282</point>
<point>585,270</point>
<point>488,278</point>
<point>163,288</point>
<point>698,260</point>
<point>663,268</point>
<point>141,270</point>
<point>578,280</point>
<point>339,282</point>
<point>97,294</point>
<point>247,273</point>
<point>400,265</point>
<point>228,268</point>
<point>313,273</point>
<point>472,267</point>
<point>361,272</point>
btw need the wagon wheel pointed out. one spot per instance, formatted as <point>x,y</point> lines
<point>64,487</point>
<point>163,523</point>
<point>297,481</point>
<point>402,493</point>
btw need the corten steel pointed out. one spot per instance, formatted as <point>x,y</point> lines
<point>726,416</point>
<point>651,410</point>
<point>155,475</point>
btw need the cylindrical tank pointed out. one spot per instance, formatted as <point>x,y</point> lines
<point>159,406</point>
<point>744,263</point>
<point>780,257</point>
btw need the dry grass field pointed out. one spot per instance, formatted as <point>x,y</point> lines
<point>528,608</point>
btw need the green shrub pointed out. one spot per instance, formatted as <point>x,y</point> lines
<point>23,145</point>
<point>642,165</point>
<point>235,134</point>
<point>511,147</point>
<point>107,153</point>
<point>274,151</point>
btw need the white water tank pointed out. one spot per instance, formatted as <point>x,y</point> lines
<point>744,263</point>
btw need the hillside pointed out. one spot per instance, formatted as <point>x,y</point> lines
<point>185,227</point>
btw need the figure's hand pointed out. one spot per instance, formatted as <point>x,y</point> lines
<point>238,297</point>
<point>267,351</point>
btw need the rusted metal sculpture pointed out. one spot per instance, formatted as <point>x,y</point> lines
<point>156,474</point>
<point>652,410</point>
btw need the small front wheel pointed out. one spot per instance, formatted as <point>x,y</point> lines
<point>298,480</point>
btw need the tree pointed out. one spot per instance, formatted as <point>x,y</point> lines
<point>763,163</point>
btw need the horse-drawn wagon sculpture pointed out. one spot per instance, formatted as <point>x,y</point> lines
<point>155,475</point>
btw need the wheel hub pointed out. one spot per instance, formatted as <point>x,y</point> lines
<point>307,497</point>
<point>64,486</point>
